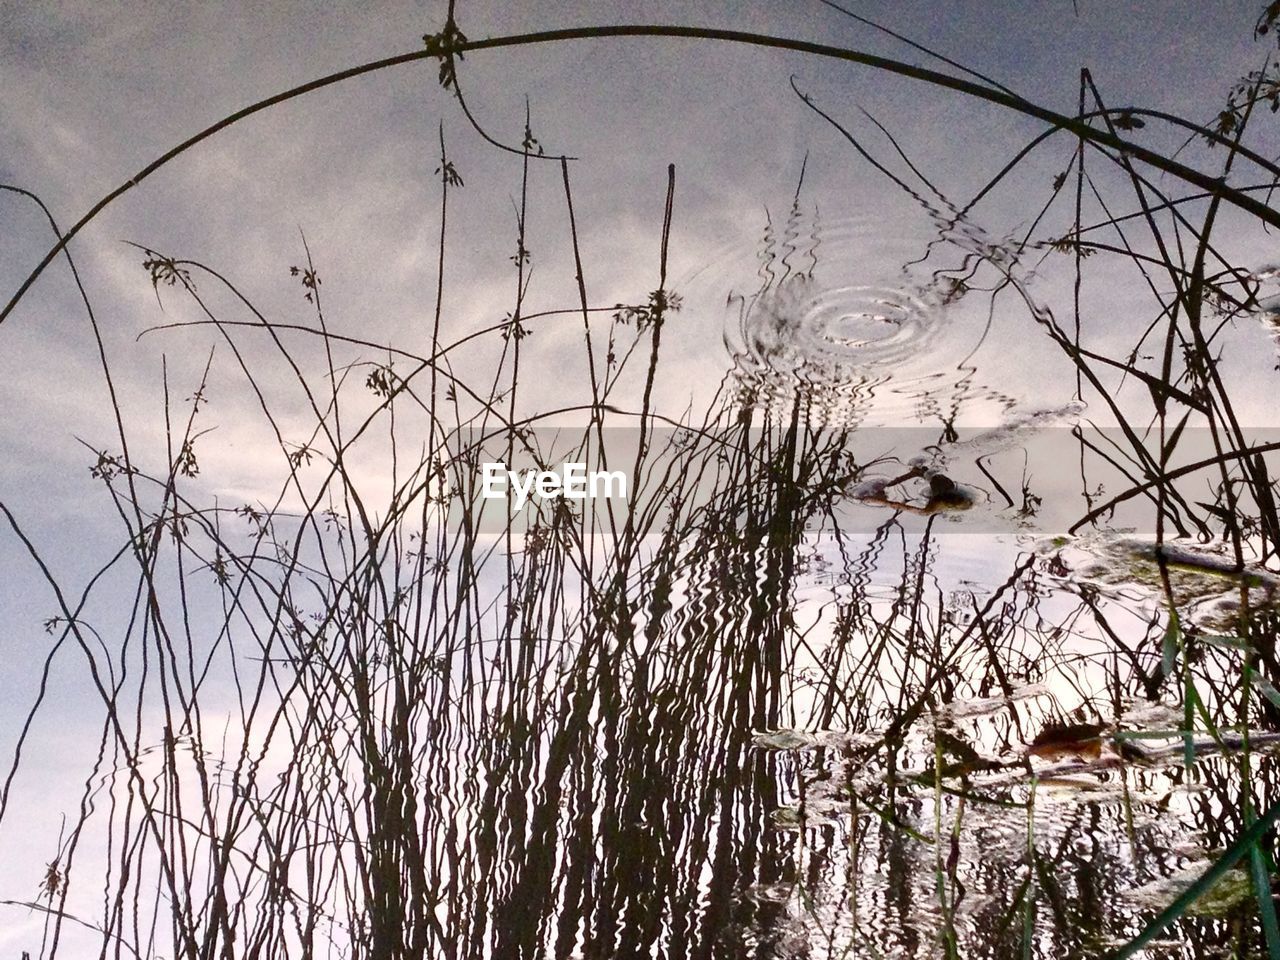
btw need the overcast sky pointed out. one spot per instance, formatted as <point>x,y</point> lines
<point>90,93</point>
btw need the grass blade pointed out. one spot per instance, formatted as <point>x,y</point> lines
<point>1266,908</point>
<point>1171,643</point>
<point>1264,686</point>
<point>1247,840</point>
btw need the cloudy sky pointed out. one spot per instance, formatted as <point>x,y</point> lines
<point>94,92</point>
<point>91,93</point>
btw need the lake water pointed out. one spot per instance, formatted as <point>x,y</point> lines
<point>937,619</point>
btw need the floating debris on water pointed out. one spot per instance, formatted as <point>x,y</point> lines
<point>798,740</point>
<point>983,706</point>
<point>1232,890</point>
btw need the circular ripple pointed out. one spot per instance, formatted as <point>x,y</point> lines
<point>806,330</point>
<point>865,320</point>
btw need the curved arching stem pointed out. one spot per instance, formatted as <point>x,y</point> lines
<point>1214,186</point>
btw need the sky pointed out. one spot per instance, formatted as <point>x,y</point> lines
<point>90,93</point>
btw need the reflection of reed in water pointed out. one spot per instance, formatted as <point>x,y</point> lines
<point>542,745</point>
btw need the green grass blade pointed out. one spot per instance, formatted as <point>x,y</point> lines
<point>1171,643</point>
<point>1193,695</point>
<point>1264,686</point>
<point>1029,905</point>
<point>1247,840</point>
<point>1189,698</point>
<point>1266,908</point>
<point>1170,734</point>
<point>1225,642</point>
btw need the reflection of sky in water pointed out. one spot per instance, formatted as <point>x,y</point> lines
<point>840,293</point>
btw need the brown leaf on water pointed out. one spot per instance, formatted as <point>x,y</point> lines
<point>1061,741</point>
